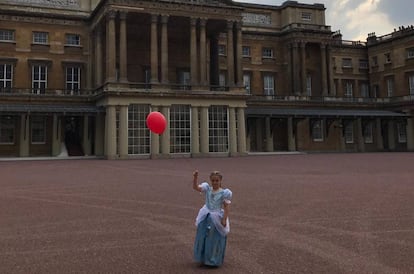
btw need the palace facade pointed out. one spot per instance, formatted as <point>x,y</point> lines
<point>80,77</point>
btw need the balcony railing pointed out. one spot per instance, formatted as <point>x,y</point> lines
<point>44,92</point>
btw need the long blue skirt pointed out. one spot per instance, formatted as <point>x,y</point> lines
<point>209,244</point>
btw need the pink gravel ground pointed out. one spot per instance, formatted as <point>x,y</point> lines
<point>311,213</point>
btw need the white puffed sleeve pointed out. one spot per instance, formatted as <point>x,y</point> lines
<point>204,187</point>
<point>227,194</point>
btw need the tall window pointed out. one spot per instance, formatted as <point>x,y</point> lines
<point>247,82</point>
<point>6,35</point>
<point>402,132</point>
<point>184,79</point>
<point>348,89</point>
<point>390,87</point>
<point>387,57</point>
<point>7,127</point>
<point>269,85</point>
<point>317,130</point>
<point>410,53</point>
<point>40,37</point>
<point>411,84</point>
<point>180,129</point>
<point>72,39</point>
<point>349,133</point>
<point>309,85</point>
<point>73,79</point>
<point>363,64</point>
<point>138,133</point>
<point>364,89</point>
<point>39,79</point>
<point>6,77</point>
<point>218,129</point>
<point>38,129</point>
<point>222,79</point>
<point>368,134</point>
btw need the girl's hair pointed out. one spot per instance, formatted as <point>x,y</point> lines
<point>216,173</point>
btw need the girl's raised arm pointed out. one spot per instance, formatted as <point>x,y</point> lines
<point>195,181</point>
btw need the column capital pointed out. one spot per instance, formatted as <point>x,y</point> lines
<point>123,15</point>
<point>203,22</point>
<point>302,44</point>
<point>111,14</point>
<point>164,19</point>
<point>193,21</point>
<point>323,45</point>
<point>238,25</point>
<point>154,18</point>
<point>230,25</point>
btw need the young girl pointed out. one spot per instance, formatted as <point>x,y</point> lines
<point>212,221</point>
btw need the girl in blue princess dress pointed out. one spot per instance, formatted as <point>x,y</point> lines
<point>212,221</point>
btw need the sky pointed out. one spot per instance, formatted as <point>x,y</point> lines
<point>356,18</point>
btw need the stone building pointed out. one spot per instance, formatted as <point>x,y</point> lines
<point>80,77</point>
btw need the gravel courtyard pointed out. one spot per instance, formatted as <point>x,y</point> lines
<point>304,213</point>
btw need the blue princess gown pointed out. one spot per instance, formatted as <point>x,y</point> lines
<point>211,236</point>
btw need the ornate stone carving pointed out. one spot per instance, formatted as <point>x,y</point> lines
<point>256,19</point>
<point>48,3</point>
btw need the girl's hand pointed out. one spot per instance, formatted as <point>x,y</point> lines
<point>195,173</point>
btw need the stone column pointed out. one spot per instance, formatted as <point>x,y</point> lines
<point>195,132</point>
<point>203,53</point>
<point>259,134</point>
<point>110,47</point>
<point>303,67</point>
<point>155,140</point>
<point>24,135</point>
<point>165,137</point>
<point>269,135</point>
<point>295,61</point>
<point>239,58</point>
<point>123,132</point>
<point>410,134</point>
<point>193,51</point>
<point>56,135</point>
<point>110,132</point>
<point>164,49</point>
<point>331,91</point>
<point>241,128</point>
<point>291,135</point>
<point>230,54</point>
<point>378,130</point>
<point>98,56</point>
<point>154,49</point>
<point>232,131</point>
<point>204,146</point>
<point>123,50</point>
<point>324,71</point>
<point>99,134</point>
<point>86,141</point>
<point>360,136</point>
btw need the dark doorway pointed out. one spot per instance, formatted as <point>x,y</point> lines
<point>73,136</point>
<point>280,135</point>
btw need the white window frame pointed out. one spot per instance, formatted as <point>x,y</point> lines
<point>309,85</point>
<point>222,50</point>
<point>317,130</point>
<point>402,132</point>
<point>410,53</point>
<point>72,39</point>
<point>368,133</point>
<point>38,130</point>
<point>306,16</point>
<point>184,78</point>
<point>349,133</point>
<point>267,53</point>
<point>40,38</point>
<point>363,64</point>
<point>387,58</point>
<point>180,128</point>
<point>39,85</point>
<point>7,130</point>
<point>222,79</point>
<point>411,84</point>
<point>246,51</point>
<point>73,79</point>
<point>6,35</point>
<point>349,89</point>
<point>364,90</point>
<point>268,85</point>
<point>139,138</point>
<point>247,81</point>
<point>6,78</point>
<point>390,87</point>
<point>218,128</point>
<point>347,62</point>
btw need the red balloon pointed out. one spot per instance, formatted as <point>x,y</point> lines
<point>156,122</point>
